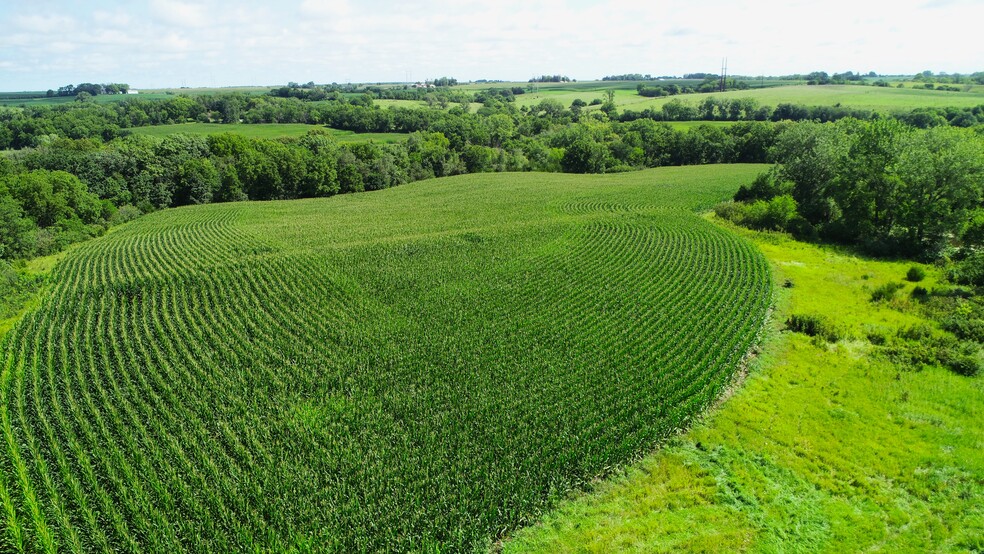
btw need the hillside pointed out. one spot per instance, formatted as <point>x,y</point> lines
<point>425,367</point>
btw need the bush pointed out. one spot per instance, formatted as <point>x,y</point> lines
<point>731,211</point>
<point>875,334</point>
<point>125,213</point>
<point>920,293</point>
<point>802,229</point>
<point>915,274</point>
<point>917,332</point>
<point>961,359</point>
<point>964,327</point>
<point>886,291</point>
<point>920,348</point>
<point>764,215</point>
<point>813,325</point>
<point>969,271</point>
<point>8,277</point>
<point>952,292</point>
<point>764,187</point>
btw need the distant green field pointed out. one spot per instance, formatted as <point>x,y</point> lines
<point>14,101</point>
<point>874,98</point>
<point>249,90</point>
<point>418,369</point>
<point>37,98</point>
<point>264,130</point>
<point>625,91</point>
<point>769,93</point>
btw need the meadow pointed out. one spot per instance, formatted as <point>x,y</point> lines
<point>265,131</point>
<point>421,368</point>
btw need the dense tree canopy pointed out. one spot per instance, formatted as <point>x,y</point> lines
<point>880,184</point>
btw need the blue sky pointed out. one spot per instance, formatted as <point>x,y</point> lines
<point>168,43</point>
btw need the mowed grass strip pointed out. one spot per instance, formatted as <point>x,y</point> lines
<point>420,368</point>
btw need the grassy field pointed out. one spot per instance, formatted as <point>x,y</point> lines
<point>866,97</point>
<point>101,99</point>
<point>825,448</point>
<point>38,98</point>
<point>873,98</point>
<point>265,130</point>
<point>419,368</point>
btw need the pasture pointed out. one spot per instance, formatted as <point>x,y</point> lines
<point>419,368</point>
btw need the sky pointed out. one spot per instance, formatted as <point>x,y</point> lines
<point>212,43</point>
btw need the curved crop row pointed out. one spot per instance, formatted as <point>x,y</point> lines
<point>249,377</point>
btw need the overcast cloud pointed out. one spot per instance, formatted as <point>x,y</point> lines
<point>168,43</point>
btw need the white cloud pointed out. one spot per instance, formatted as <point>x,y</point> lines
<point>179,13</point>
<point>224,42</point>
<point>326,8</point>
<point>44,24</point>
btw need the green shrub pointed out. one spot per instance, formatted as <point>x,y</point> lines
<point>969,271</point>
<point>915,274</point>
<point>952,292</point>
<point>964,327</point>
<point>886,291</point>
<point>917,332</point>
<point>814,325</point>
<point>764,187</point>
<point>731,211</point>
<point>8,277</point>
<point>765,215</point>
<point>125,213</point>
<point>876,334</point>
<point>920,293</point>
<point>961,359</point>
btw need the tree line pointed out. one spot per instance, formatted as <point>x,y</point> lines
<point>88,184</point>
<point>90,89</point>
<point>35,125</point>
<point>672,89</point>
<point>881,185</point>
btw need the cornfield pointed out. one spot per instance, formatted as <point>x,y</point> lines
<point>418,369</point>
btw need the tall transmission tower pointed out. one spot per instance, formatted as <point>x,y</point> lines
<point>724,74</point>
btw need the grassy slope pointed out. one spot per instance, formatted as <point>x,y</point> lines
<point>824,448</point>
<point>265,130</point>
